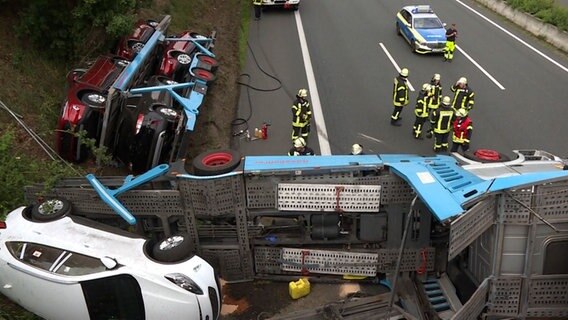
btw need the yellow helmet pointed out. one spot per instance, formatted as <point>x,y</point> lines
<point>404,72</point>
<point>302,93</point>
<point>356,149</point>
<point>446,100</point>
<point>461,112</point>
<point>299,142</point>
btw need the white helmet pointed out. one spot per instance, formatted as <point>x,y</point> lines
<point>436,77</point>
<point>302,93</point>
<point>426,87</point>
<point>404,72</point>
<point>299,142</point>
<point>462,80</point>
<point>356,149</point>
<point>461,112</point>
<point>446,100</point>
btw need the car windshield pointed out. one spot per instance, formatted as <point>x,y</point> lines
<point>427,23</point>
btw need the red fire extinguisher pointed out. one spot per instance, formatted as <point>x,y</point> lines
<point>264,130</point>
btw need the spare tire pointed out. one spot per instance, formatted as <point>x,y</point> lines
<point>486,156</point>
<point>172,249</point>
<point>217,162</point>
<point>51,209</point>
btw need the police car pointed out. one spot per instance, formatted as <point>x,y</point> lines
<point>422,28</point>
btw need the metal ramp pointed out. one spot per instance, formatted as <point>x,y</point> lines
<point>436,296</point>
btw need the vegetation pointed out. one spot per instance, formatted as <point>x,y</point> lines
<point>546,10</point>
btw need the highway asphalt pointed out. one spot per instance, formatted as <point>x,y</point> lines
<point>520,82</point>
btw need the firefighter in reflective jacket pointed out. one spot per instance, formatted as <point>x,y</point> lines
<point>421,111</point>
<point>463,95</point>
<point>301,115</point>
<point>434,100</point>
<point>442,118</point>
<point>463,127</point>
<point>399,95</point>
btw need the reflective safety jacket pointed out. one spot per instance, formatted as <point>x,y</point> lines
<point>400,92</point>
<point>301,113</point>
<point>463,98</point>
<point>435,95</point>
<point>421,109</point>
<point>442,119</point>
<point>463,128</point>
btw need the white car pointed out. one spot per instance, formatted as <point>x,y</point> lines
<point>68,267</point>
<point>286,4</point>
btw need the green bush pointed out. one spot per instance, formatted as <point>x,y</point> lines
<point>18,170</point>
<point>546,10</point>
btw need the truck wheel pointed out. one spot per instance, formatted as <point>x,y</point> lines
<point>51,209</point>
<point>208,60</point>
<point>213,163</point>
<point>203,75</point>
<point>486,156</point>
<point>172,249</point>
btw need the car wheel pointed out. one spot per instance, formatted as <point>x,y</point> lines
<point>486,156</point>
<point>183,59</point>
<point>413,45</point>
<point>168,113</point>
<point>213,163</point>
<point>93,99</point>
<point>152,23</point>
<point>398,30</point>
<point>208,60</point>
<point>51,209</point>
<point>136,46</point>
<point>296,7</point>
<point>203,75</point>
<point>166,81</point>
<point>172,249</point>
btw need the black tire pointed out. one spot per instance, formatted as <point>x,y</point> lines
<point>203,75</point>
<point>296,7</point>
<point>172,249</point>
<point>217,162</point>
<point>209,60</point>
<point>93,99</point>
<point>413,46</point>
<point>136,46</point>
<point>477,156</point>
<point>398,30</point>
<point>51,209</point>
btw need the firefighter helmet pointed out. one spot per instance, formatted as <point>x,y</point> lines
<point>299,143</point>
<point>404,72</point>
<point>462,80</point>
<point>461,113</point>
<point>426,87</point>
<point>446,100</point>
<point>436,77</point>
<point>356,149</point>
<point>302,93</point>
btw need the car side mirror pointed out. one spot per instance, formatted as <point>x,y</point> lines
<point>109,263</point>
<point>444,24</point>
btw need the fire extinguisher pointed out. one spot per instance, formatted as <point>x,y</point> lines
<point>264,130</point>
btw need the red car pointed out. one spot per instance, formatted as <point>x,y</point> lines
<point>84,106</point>
<point>129,46</point>
<point>179,52</point>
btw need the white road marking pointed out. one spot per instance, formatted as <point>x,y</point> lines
<point>514,36</point>
<point>371,138</point>
<point>480,68</point>
<point>395,64</point>
<point>325,149</point>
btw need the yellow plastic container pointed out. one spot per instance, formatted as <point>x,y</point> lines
<point>298,289</point>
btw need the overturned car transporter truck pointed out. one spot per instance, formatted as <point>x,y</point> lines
<point>453,238</point>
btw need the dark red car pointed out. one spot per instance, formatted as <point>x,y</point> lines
<point>84,105</point>
<point>128,46</point>
<point>179,52</point>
